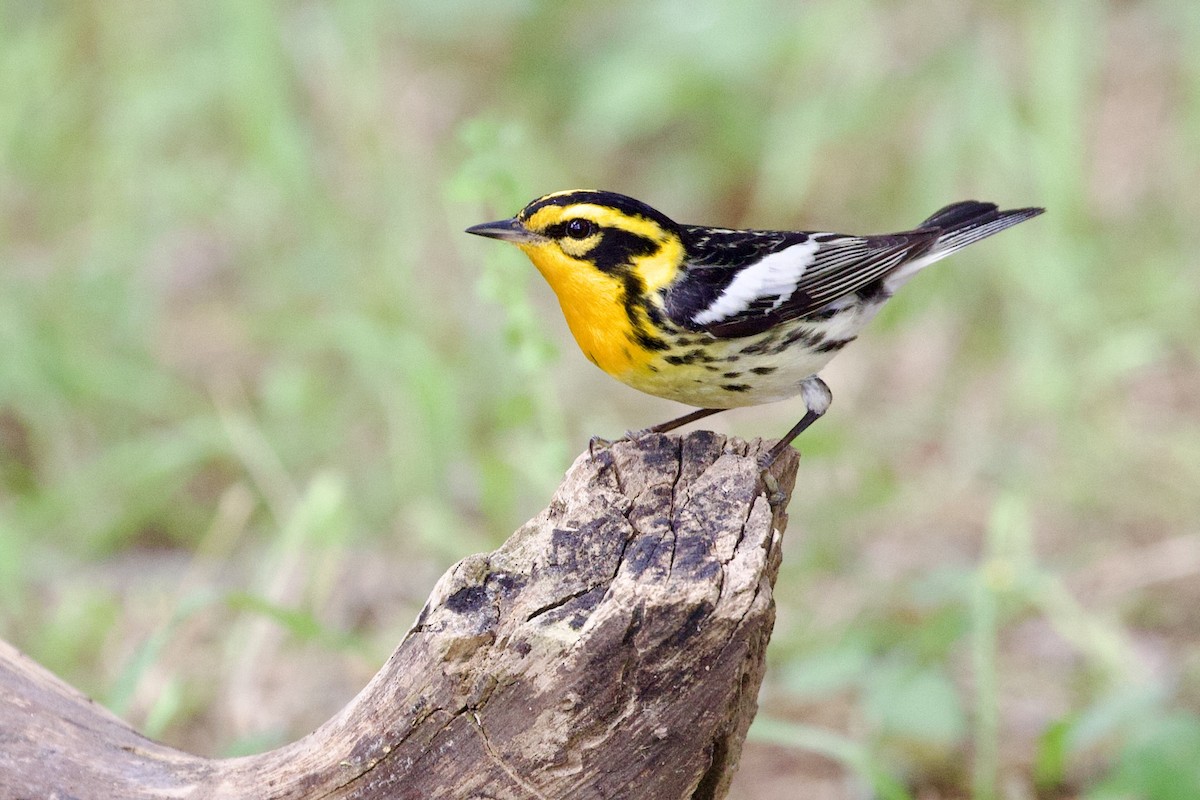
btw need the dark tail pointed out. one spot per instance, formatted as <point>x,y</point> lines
<point>959,225</point>
<point>969,221</point>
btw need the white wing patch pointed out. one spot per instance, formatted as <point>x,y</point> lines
<point>775,276</point>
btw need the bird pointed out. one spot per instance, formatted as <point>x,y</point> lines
<point>721,318</point>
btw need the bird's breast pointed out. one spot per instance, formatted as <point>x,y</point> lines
<point>594,305</point>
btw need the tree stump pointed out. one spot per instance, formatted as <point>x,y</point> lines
<point>611,648</point>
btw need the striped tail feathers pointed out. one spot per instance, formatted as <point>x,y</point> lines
<point>960,224</point>
<point>969,221</point>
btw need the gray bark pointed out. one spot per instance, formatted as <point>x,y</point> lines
<point>613,647</point>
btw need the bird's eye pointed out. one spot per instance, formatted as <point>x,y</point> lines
<point>580,228</point>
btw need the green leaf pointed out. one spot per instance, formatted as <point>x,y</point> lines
<point>919,703</point>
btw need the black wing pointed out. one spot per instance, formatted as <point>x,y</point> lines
<point>739,283</point>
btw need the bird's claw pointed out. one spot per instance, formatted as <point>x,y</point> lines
<point>603,444</point>
<point>775,495</point>
<point>599,442</point>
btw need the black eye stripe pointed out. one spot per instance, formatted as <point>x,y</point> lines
<point>618,248</point>
<point>615,249</point>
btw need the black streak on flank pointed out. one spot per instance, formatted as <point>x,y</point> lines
<point>736,387</point>
<point>772,344</point>
<point>761,348</point>
<point>756,371</point>
<point>809,339</point>
<point>834,345</point>
<point>650,342</point>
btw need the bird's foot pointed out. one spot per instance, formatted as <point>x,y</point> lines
<point>599,443</point>
<point>775,495</point>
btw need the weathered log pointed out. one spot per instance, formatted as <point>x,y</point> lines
<point>611,648</point>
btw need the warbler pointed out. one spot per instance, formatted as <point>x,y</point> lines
<point>720,318</point>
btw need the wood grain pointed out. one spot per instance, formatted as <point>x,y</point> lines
<point>613,647</point>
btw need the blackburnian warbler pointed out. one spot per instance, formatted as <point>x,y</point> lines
<point>720,318</point>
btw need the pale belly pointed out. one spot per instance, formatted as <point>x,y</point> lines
<point>706,372</point>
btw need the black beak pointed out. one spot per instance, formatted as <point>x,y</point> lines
<point>510,230</point>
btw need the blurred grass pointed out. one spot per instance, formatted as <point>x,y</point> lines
<point>257,390</point>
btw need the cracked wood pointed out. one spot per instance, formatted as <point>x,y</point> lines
<point>612,648</point>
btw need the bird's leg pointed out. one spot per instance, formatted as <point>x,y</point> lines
<point>672,424</point>
<point>817,397</point>
<point>662,427</point>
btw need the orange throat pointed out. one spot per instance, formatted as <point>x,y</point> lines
<point>593,304</point>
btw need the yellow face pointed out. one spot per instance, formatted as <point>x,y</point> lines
<point>601,254</point>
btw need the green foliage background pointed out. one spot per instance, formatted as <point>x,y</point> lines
<point>257,390</point>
